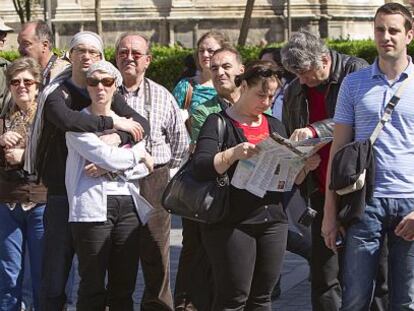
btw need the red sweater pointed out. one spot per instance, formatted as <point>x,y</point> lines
<point>254,134</point>
<point>317,112</point>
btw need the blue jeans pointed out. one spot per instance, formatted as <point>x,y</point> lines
<point>19,228</point>
<point>58,254</point>
<point>362,251</point>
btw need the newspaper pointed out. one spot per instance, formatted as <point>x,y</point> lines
<point>277,164</point>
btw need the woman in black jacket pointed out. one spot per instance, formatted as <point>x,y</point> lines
<point>246,250</point>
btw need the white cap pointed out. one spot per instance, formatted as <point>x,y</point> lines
<point>4,27</point>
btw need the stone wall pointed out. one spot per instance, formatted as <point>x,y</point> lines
<point>183,21</point>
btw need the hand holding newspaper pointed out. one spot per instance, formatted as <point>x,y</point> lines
<point>276,166</point>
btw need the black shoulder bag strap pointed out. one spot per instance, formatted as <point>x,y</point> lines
<point>48,68</point>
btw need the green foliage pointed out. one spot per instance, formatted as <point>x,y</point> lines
<point>167,62</point>
<point>9,55</point>
<point>362,48</point>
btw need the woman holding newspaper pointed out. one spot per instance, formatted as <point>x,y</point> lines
<point>246,250</point>
<point>105,208</point>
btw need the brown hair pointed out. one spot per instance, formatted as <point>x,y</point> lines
<point>259,71</point>
<point>221,39</point>
<point>24,64</point>
<point>396,8</point>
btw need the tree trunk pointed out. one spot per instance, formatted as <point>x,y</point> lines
<point>98,19</point>
<point>19,10</point>
<point>246,23</point>
<point>28,9</point>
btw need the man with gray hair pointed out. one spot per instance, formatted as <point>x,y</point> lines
<point>308,109</point>
<point>66,96</point>
<point>36,40</point>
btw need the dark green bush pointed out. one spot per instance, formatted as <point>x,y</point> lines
<point>167,63</point>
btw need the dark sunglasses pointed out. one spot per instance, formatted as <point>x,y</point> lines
<point>134,54</point>
<point>105,81</point>
<point>26,82</point>
<point>260,72</point>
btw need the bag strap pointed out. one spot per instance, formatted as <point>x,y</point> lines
<point>188,95</point>
<point>222,130</point>
<point>187,103</point>
<point>147,109</point>
<point>389,109</point>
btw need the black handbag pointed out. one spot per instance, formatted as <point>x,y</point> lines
<point>201,201</point>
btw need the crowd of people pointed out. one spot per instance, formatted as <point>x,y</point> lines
<point>87,149</point>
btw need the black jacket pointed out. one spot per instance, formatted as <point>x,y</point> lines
<point>295,113</point>
<point>348,164</point>
<point>62,114</point>
<point>295,103</point>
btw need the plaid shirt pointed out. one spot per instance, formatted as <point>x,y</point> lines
<point>168,142</point>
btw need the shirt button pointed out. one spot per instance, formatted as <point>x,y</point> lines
<point>265,219</point>
<point>266,207</point>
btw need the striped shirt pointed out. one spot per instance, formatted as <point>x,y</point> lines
<point>168,142</point>
<point>361,101</point>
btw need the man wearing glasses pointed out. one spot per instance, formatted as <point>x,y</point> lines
<point>167,143</point>
<point>4,97</point>
<point>67,95</point>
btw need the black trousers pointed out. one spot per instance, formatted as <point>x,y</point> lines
<point>246,262</point>
<point>194,282</point>
<point>326,293</point>
<point>57,253</point>
<point>326,290</point>
<point>154,245</point>
<point>109,246</point>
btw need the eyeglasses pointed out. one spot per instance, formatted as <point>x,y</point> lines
<point>26,82</point>
<point>105,81</point>
<point>92,53</point>
<point>135,54</point>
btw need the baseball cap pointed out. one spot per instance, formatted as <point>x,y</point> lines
<point>4,27</point>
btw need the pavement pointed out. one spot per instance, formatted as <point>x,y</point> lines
<point>295,287</point>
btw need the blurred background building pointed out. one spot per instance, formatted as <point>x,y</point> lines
<point>182,21</point>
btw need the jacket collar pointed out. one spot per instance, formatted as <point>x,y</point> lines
<point>335,72</point>
<point>336,67</point>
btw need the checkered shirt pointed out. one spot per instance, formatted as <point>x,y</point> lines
<point>168,142</point>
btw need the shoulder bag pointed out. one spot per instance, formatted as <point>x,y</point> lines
<point>353,164</point>
<point>201,201</point>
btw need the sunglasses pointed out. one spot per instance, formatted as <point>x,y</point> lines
<point>26,82</point>
<point>105,81</point>
<point>134,54</point>
<point>260,72</point>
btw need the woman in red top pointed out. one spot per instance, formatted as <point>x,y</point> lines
<point>246,250</point>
